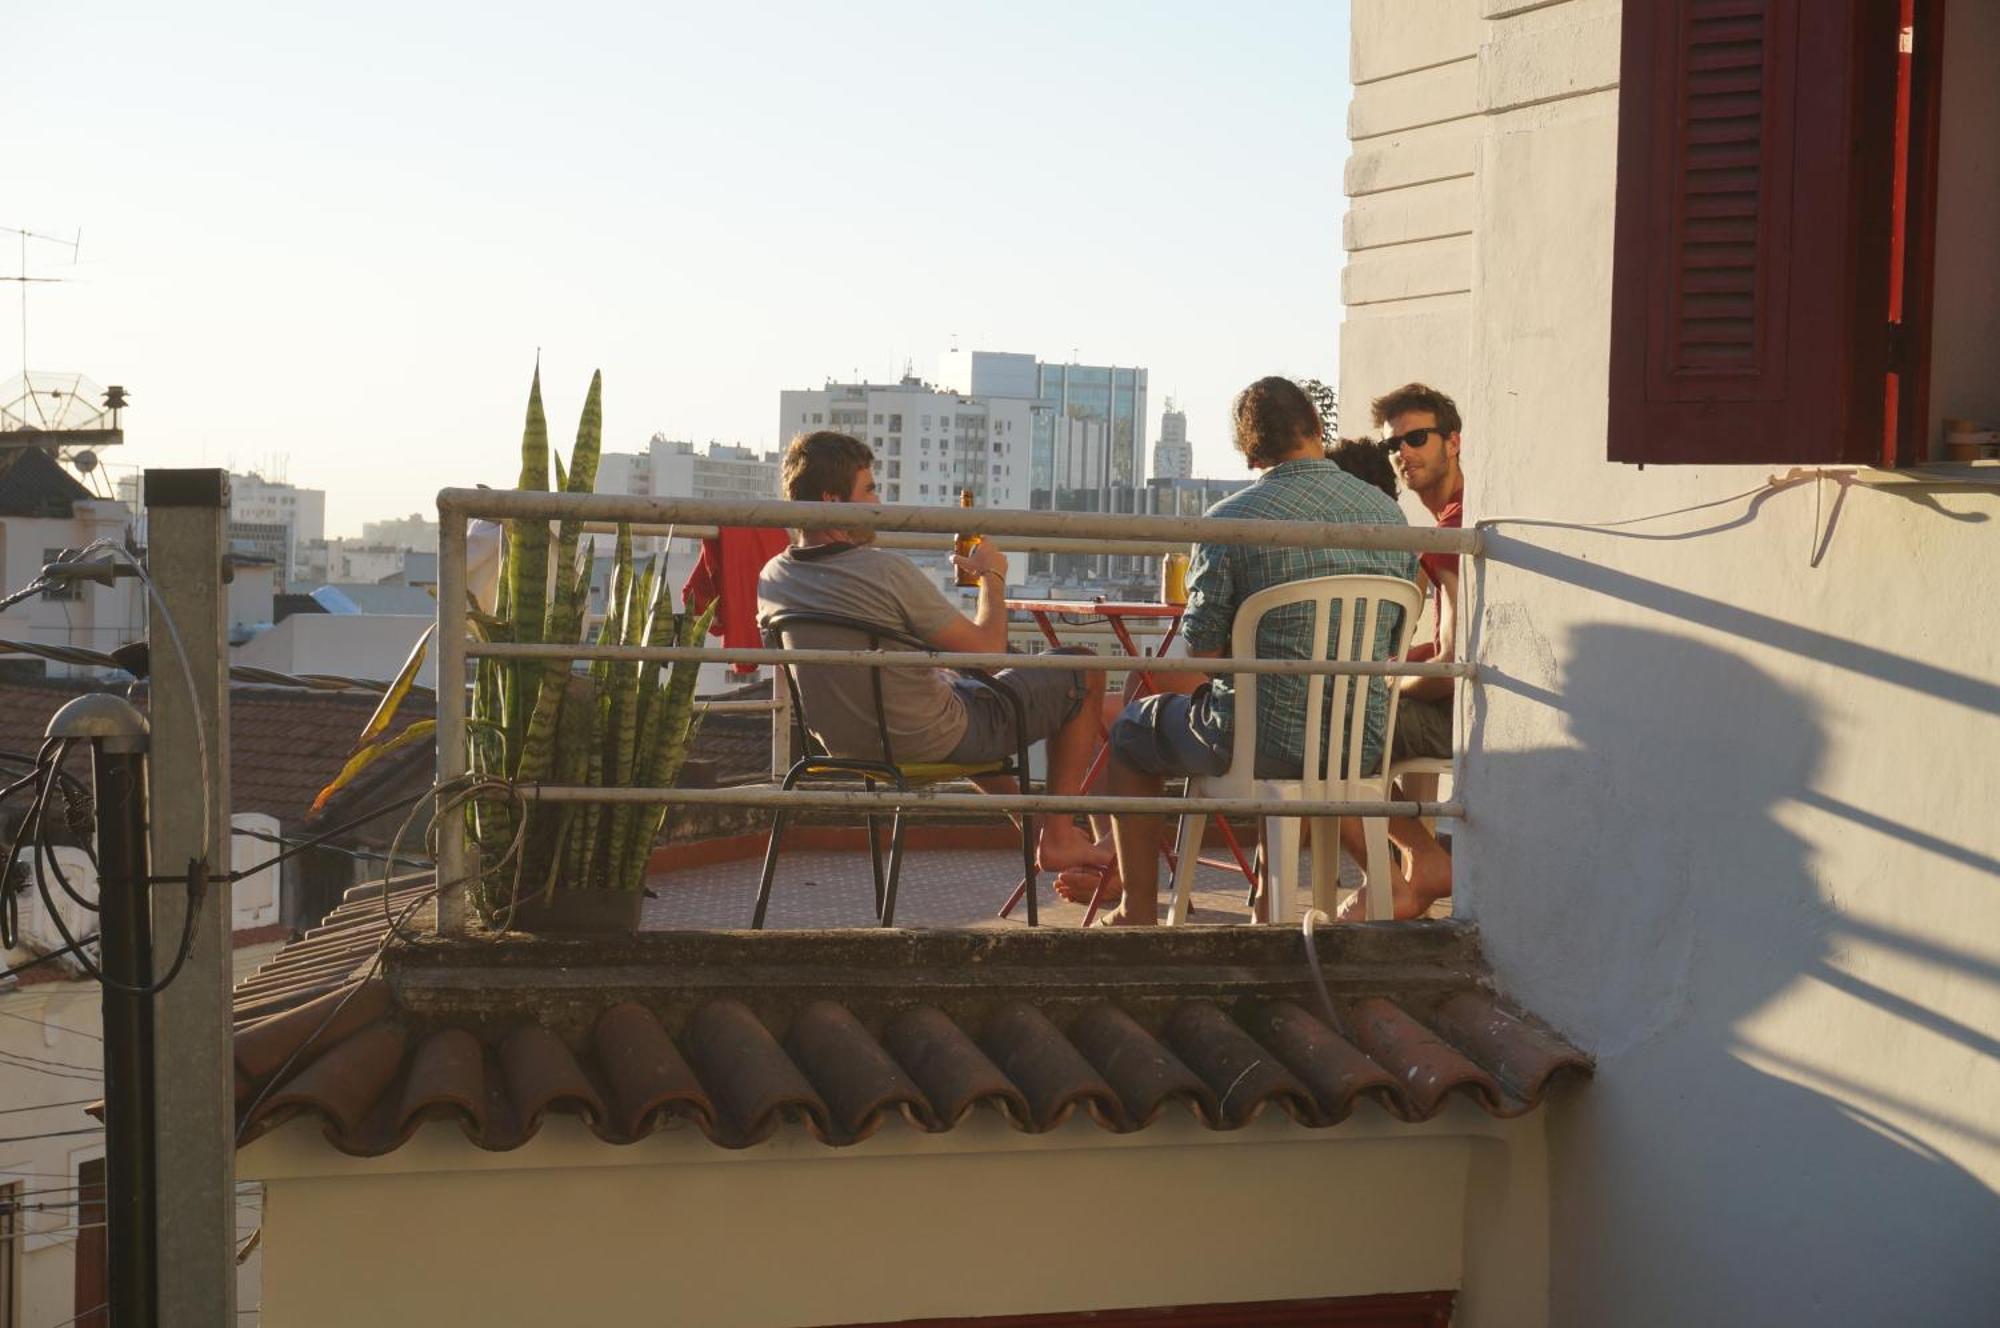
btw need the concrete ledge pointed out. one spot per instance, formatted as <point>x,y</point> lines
<point>1552,54</point>
<point>1426,267</point>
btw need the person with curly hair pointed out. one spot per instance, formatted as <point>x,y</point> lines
<point>1367,460</point>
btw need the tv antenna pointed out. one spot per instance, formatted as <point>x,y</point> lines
<point>74,245</point>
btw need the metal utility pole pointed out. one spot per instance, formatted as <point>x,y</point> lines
<point>187,526</point>
<point>116,732</point>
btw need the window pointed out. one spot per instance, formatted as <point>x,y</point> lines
<point>817,418</point>
<point>878,419</point>
<point>1771,264</point>
<point>895,423</point>
<point>92,1283</point>
<point>67,590</point>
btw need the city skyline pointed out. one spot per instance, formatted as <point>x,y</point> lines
<point>300,240</point>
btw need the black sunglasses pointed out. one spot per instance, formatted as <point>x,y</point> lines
<point>1415,438</point>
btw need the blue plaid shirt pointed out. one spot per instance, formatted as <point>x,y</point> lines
<point>1222,576</point>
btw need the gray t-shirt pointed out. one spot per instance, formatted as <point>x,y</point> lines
<point>925,717</point>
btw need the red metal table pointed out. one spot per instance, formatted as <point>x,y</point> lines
<point>1118,614</point>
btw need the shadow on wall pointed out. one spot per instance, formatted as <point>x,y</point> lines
<point>1691,1187</point>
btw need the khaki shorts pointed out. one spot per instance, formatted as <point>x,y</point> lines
<point>1423,728</point>
<point>1048,698</point>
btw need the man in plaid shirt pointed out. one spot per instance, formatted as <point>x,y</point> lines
<point>1187,726</point>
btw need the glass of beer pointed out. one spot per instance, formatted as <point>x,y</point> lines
<point>1173,579</point>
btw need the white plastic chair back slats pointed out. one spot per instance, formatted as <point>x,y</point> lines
<point>1349,624</point>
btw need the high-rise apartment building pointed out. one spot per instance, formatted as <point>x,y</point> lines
<point>1173,455</point>
<point>930,444</point>
<point>1090,424</point>
<point>1088,449</point>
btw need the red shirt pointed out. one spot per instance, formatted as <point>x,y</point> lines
<point>1436,565</point>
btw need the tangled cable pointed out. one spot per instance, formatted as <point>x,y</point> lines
<point>45,779</point>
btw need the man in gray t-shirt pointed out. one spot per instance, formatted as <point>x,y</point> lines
<point>931,715</point>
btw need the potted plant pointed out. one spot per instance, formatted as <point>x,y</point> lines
<point>572,866</point>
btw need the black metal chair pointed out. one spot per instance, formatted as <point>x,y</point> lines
<point>816,763</point>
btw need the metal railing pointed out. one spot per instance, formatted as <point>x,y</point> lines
<point>904,527</point>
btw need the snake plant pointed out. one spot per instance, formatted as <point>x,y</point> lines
<point>617,725</point>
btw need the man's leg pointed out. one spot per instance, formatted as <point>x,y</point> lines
<point>1063,842</point>
<point>1427,876</point>
<point>1138,841</point>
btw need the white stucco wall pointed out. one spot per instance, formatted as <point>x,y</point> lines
<point>1411,199</point>
<point>101,617</point>
<point>980,1221</point>
<point>1730,791</point>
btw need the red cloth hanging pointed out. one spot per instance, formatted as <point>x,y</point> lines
<point>729,567</point>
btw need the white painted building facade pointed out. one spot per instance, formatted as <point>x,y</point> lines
<point>80,613</point>
<point>1729,771</point>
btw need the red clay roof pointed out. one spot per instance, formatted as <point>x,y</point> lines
<point>843,1032</point>
<point>285,744</point>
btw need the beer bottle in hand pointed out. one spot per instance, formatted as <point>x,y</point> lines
<point>966,544</point>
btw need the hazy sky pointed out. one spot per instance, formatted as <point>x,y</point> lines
<point>331,238</point>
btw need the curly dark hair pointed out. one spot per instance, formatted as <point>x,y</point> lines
<point>1367,460</point>
<point>824,462</point>
<point>1418,396</point>
<point>1271,416</point>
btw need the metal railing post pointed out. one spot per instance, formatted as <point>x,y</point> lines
<point>452,911</point>
<point>187,516</point>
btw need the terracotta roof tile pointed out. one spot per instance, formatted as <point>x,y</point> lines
<point>842,1033</point>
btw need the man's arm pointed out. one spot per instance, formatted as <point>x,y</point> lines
<point>1446,647</point>
<point>985,632</point>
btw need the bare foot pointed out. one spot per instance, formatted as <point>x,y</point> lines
<point>1428,880</point>
<point>1118,917</point>
<point>1079,885</point>
<point>1058,853</point>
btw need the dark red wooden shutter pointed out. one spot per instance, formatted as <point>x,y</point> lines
<point>1749,286</point>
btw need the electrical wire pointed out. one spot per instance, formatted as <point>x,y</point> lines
<point>25,1061</point>
<point>193,694</point>
<point>50,957</point>
<point>43,1023</point>
<point>298,846</point>
<point>195,888</point>
<point>367,855</point>
<point>51,1134</point>
<point>471,786</point>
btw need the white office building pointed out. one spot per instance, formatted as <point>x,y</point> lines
<point>276,518</point>
<point>672,468</point>
<point>930,444</point>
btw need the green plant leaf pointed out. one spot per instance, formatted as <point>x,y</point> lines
<point>420,731</point>
<point>385,712</point>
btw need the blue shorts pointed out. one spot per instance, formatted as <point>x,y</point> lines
<point>1171,734</point>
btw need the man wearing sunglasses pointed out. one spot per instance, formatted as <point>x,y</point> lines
<point>1423,427</point>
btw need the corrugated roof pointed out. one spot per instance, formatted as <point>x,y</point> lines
<point>844,1032</point>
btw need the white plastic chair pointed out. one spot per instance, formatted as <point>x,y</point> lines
<point>1346,599</point>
